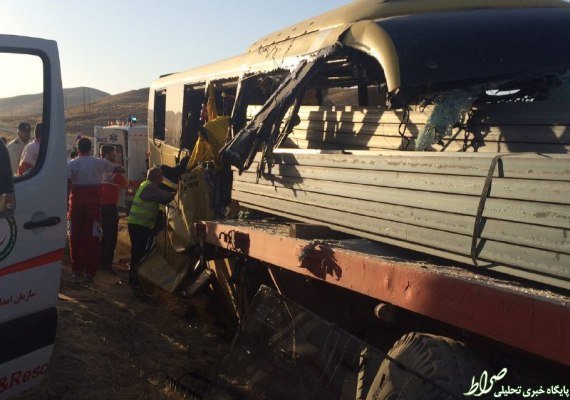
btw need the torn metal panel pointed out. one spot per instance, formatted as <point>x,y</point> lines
<point>157,270</point>
<point>239,112</point>
<point>264,127</point>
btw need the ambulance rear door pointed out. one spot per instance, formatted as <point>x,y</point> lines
<point>32,216</point>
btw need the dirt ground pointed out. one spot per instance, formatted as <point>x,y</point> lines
<point>114,344</point>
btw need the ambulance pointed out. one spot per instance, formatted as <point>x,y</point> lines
<point>32,219</point>
<point>130,143</point>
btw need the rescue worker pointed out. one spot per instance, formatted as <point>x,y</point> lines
<point>143,215</point>
<point>85,174</point>
<point>16,146</point>
<point>109,214</point>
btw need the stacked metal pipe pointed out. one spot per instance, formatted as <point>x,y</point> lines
<point>430,202</point>
<point>509,127</point>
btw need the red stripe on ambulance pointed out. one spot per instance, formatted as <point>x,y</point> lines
<point>39,261</point>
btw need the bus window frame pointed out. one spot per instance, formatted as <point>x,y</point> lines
<point>159,93</point>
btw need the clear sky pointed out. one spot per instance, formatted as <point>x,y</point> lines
<point>121,45</point>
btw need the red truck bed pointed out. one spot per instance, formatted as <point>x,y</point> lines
<point>526,316</point>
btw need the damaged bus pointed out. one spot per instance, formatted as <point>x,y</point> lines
<point>435,129</point>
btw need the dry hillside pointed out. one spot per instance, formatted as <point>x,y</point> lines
<point>80,118</point>
<point>31,104</point>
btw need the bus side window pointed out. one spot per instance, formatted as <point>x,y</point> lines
<point>159,131</point>
<point>192,105</point>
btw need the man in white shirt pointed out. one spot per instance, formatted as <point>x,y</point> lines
<point>16,146</point>
<point>31,151</point>
<point>85,175</point>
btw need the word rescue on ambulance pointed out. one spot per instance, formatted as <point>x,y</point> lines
<point>20,377</point>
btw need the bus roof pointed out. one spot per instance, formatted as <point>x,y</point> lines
<point>362,10</point>
<point>356,25</point>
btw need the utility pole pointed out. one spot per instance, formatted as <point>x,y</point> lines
<point>83,99</point>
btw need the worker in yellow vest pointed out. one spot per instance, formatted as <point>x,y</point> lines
<point>142,217</point>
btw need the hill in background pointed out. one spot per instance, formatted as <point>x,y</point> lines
<point>80,117</point>
<point>31,104</point>
<point>110,109</point>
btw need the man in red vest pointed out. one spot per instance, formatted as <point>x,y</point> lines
<point>112,182</point>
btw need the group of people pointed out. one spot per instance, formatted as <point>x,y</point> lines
<point>93,195</point>
<point>93,187</point>
<point>23,153</point>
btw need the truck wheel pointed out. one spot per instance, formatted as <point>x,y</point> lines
<point>446,362</point>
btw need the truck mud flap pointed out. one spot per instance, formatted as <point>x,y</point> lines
<point>283,351</point>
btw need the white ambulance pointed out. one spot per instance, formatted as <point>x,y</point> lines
<point>32,219</point>
<point>130,143</point>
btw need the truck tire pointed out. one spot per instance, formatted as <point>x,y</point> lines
<point>369,364</point>
<point>441,360</point>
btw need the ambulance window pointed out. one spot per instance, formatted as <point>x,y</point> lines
<point>22,106</point>
<point>159,114</point>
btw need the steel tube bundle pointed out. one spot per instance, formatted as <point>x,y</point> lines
<point>501,127</point>
<point>429,202</point>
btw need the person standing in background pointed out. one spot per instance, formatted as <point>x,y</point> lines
<point>6,181</point>
<point>31,151</point>
<point>85,175</point>
<point>112,182</point>
<point>16,146</point>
